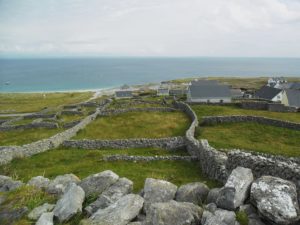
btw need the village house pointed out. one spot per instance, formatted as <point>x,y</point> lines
<point>177,92</point>
<point>208,91</point>
<point>291,97</point>
<point>163,91</point>
<point>124,94</point>
<point>276,82</point>
<point>269,93</point>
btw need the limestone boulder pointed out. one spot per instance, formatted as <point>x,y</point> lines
<point>236,190</point>
<point>8,184</point>
<point>45,219</point>
<point>60,183</point>
<point>70,203</point>
<point>276,199</point>
<point>9,216</point>
<point>158,191</point>
<point>39,182</point>
<point>122,187</point>
<point>213,195</point>
<point>121,212</point>
<point>97,183</point>
<point>38,211</point>
<point>193,192</point>
<point>215,216</point>
<point>173,213</point>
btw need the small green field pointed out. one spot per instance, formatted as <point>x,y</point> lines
<point>23,122</point>
<point>20,137</point>
<point>212,110</point>
<point>33,102</point>
<point>86,162</point>
<point>254,137</point>
<point>136,125</point>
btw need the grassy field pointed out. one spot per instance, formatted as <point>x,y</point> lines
<point>211,110</point>
<point>85,162</point>
<point>17,103</point>
<point>20,137</point>
<point>136,125</point>
<point>253,136</point>
<point>23,121</point>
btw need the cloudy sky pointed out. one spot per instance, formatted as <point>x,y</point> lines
<point>150,28</point>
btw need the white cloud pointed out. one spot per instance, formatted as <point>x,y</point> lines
<point>157,27</point>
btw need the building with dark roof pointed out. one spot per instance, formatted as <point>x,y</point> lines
<point>163,91</point>
<point>124,94</point>
<point>204,82</point>
<point>209,92</point>
<point>269,93</point>
<point>291,97</point>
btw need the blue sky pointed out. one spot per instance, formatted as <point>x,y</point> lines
<point>254,28</point>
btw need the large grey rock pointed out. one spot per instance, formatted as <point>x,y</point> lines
<point>193,192</point>
<point>59,184</point>
<point>39,182</point>
<point>45,219</point>
<point>122,187</point>
<point>8,184</point>
<point>173,213</point>
<point>121,212</point>
<point>276,199</point>
<point>158,191</point>
<point>70,203</point>
<point>9,216</point>
<point>97,183</point>
<point>236,190</point>
<point>213,195</point>
<point>38,211</point>
<point>215,216</point>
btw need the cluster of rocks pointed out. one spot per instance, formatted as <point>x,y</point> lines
<point>165,143</point>
<point>135,158</point>
<point>257,119</point>
<point>266,200</point>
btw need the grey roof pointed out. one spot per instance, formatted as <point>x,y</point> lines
<point>236,92</point>
<point>295,85</point>
<point>293,97</point>
<point>204,82</point>
<point>209,91</point>
<point>177,91</point>
<point>123,94</point>
<point>267,92</point>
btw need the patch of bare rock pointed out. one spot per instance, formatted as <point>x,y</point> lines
<point>266,201</point>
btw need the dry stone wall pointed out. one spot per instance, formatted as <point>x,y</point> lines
<point>8,153</point>
<point>217,165</point>
<point>258,119</point>
<point>149,158</point>
<point>165,143</point>
<point>47,125</point>
<point>125,110</point>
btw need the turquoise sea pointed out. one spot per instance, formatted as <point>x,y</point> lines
<point>31,75</point>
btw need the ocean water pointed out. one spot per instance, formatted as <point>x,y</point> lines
<point>31,75</point>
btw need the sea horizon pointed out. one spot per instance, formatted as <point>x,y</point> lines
<point>66,74</point>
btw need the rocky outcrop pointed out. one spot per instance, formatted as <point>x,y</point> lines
<point>60,183</point>
<point>97,183</point>
<point>276,199</point>
<point>236,190</point>
<point>39,182</point>
<point>193,192</point>
<point>121,212</point>
<point>213,195</point>
<point>173,213</point>
<point>158,191</point>
<point>38,211</point>
<point>45,219</point>
<point>70,203</point>
<point>8,184</point>
<point>119,189</point>
<point>215,216</point>
<point>10,216</point>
